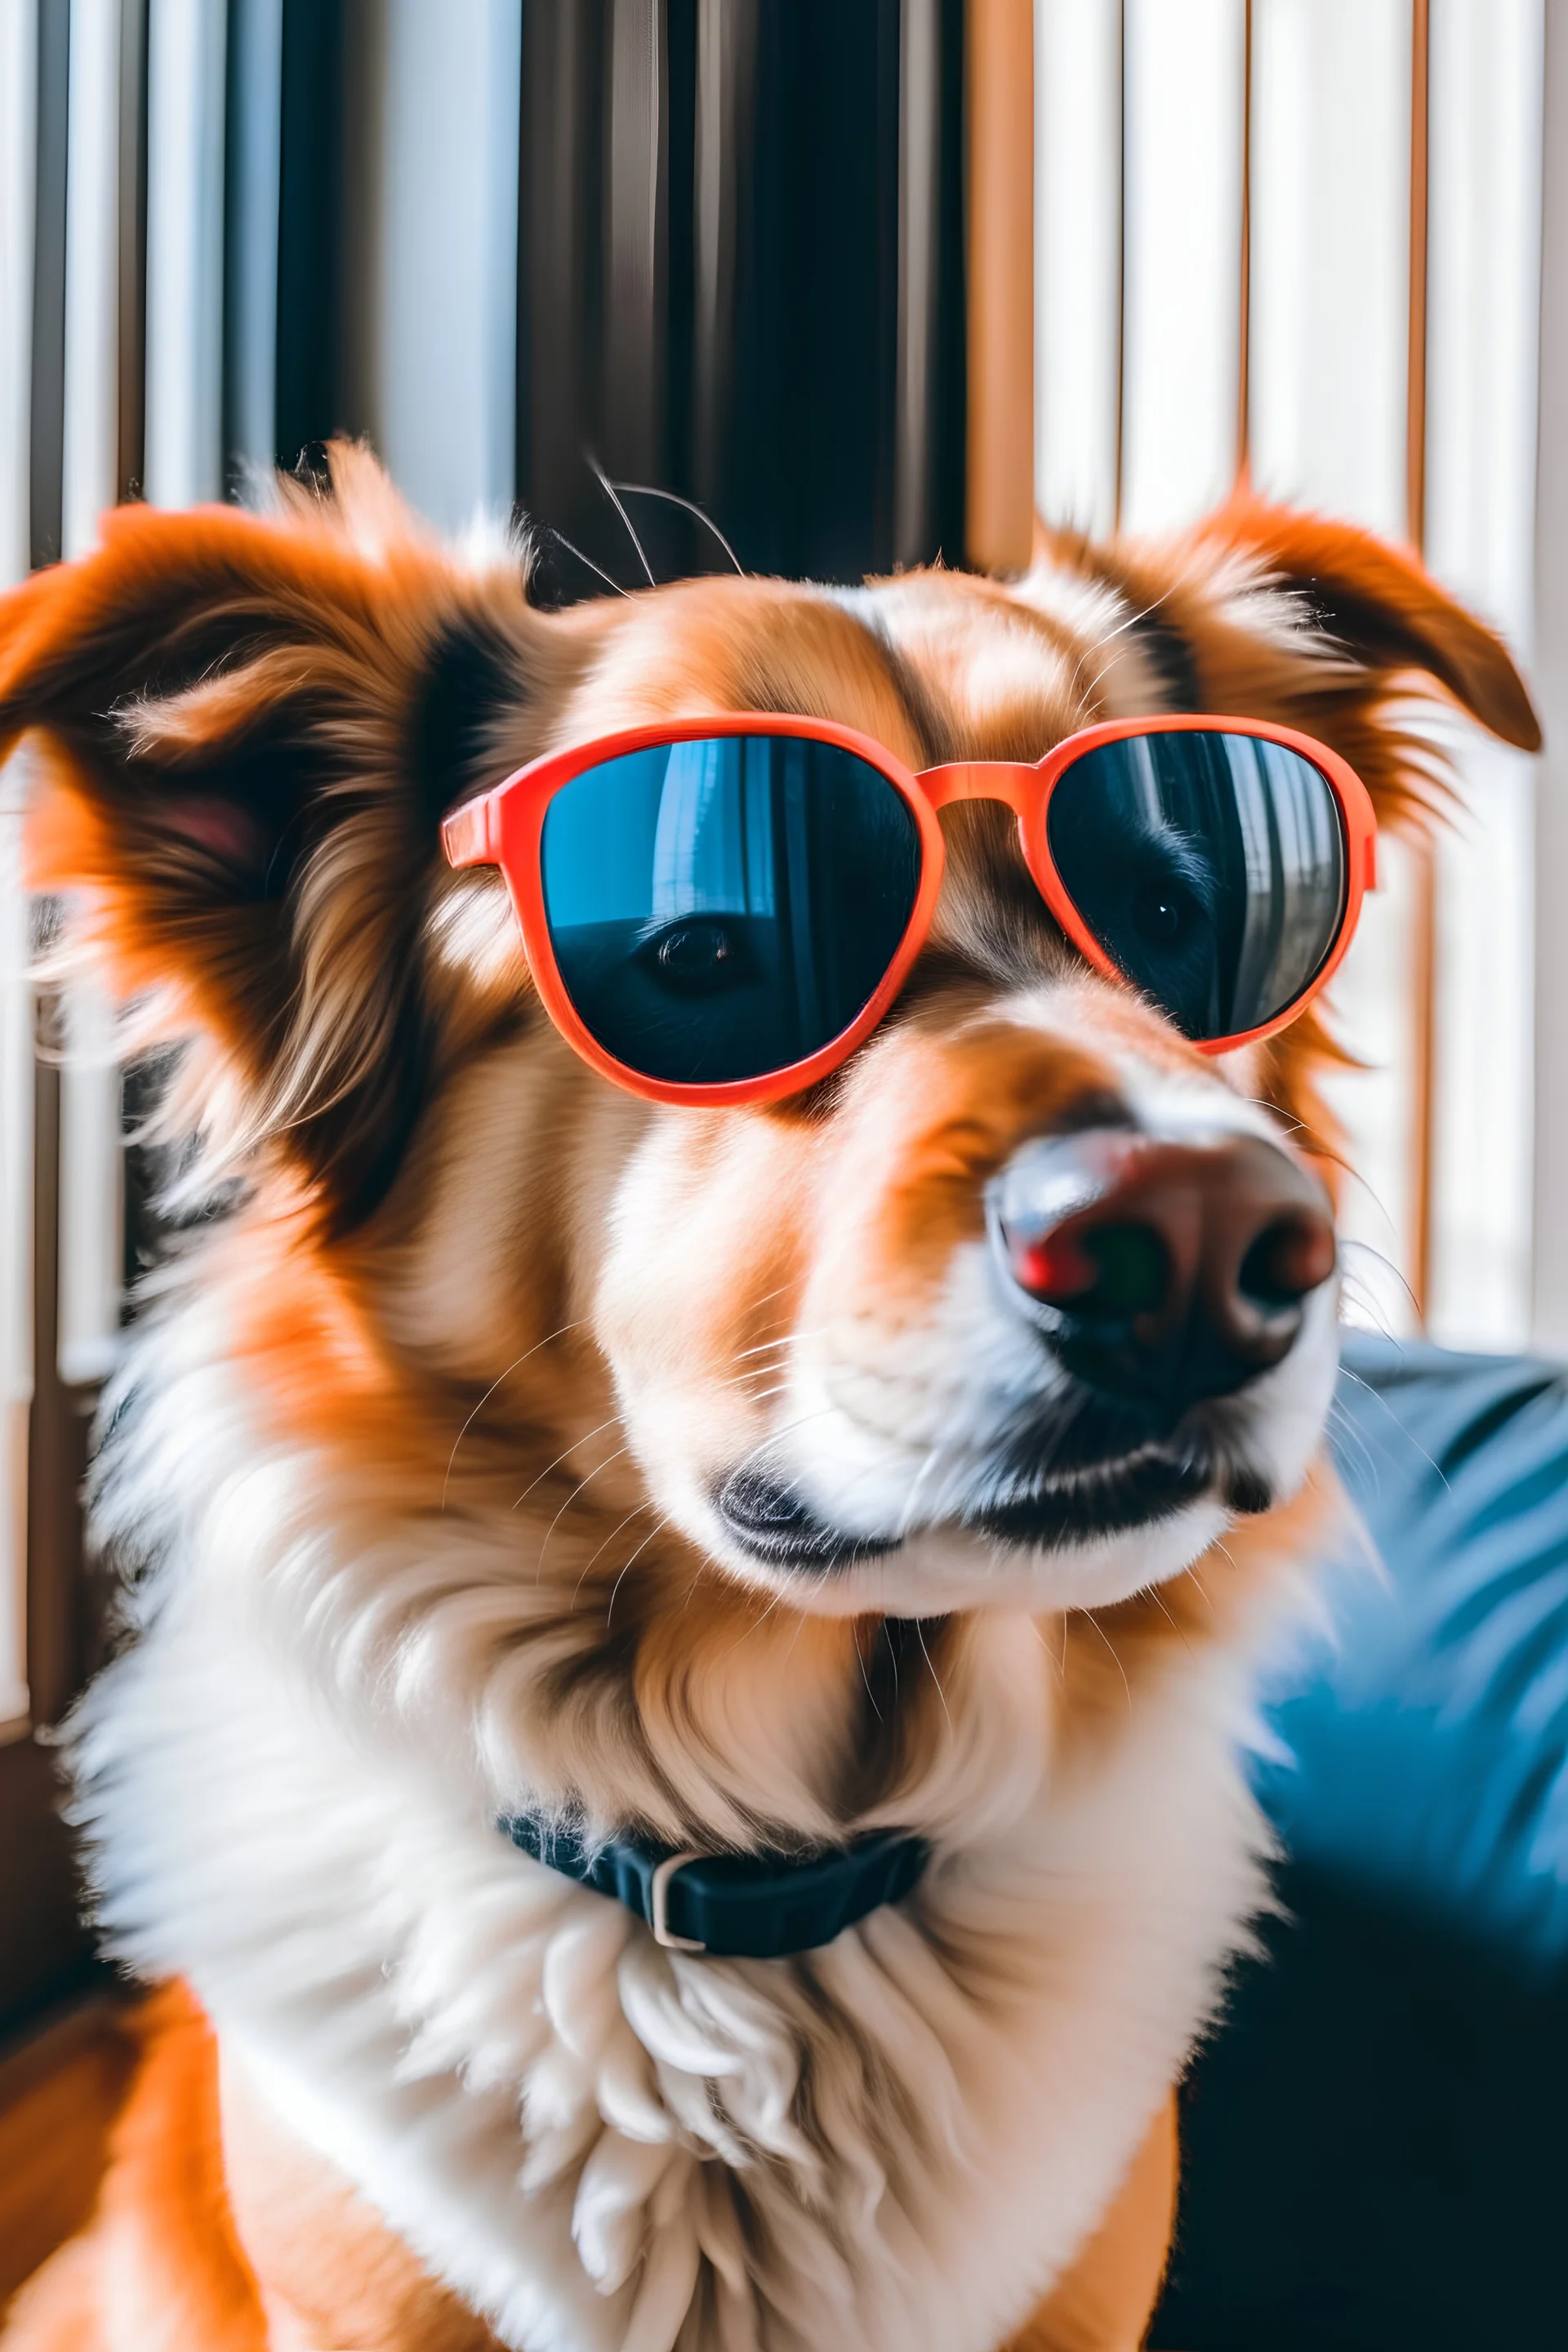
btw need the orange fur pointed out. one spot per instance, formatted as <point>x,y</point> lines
<point>1105,2302</point>
<point>160,2264</point>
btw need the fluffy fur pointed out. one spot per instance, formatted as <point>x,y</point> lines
<point>412,1465</point>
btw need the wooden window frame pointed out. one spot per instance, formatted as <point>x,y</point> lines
<point>46,1951</point>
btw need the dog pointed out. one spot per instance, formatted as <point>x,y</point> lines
<point>504,1464</point>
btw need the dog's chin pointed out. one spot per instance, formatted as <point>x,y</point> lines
<point>1079,1543</point>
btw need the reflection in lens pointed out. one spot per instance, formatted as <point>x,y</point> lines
<point>1211,868</point>
<point>724,909</point>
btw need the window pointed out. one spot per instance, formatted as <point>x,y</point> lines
<point>1305,234</point>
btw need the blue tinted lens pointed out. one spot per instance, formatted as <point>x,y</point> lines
<point>724,909</point>
<point>1211,868</point>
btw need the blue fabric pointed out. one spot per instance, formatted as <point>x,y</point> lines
<point>1430,1731</point>
<point>1375,2143</point>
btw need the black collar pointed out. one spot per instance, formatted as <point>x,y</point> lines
<point>750,1907</point>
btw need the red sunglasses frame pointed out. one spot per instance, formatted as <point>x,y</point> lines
<point>505,827</point>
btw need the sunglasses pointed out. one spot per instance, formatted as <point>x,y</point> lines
<point>721,910</point>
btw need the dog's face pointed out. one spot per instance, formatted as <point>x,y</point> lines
<point>825,1368</point>
<point>784,1346</point>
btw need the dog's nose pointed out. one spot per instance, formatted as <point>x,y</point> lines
<point>1163,1272</point>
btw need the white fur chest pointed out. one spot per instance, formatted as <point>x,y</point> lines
<point>921,2121</point>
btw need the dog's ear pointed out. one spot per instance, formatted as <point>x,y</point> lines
<point>251,726</point>
<point>1382,607</point>
<point>1271,612</point>
<point>1378,628</point>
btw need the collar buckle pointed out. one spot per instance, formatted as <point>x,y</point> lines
<point>659,1904</point>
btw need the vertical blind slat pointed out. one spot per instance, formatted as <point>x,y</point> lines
<point>253,176</point>
<point>920,164</point>
<point>443,88</point>
<point>185,56</point>
<point>92,441</point>
<point>1483,353</point>
<point>18,166</point>
<point>1182,261</point>
<point>1331,226</point>
<point>1329,380</point>
<point>1078,259</point>
<point>91,1176</point>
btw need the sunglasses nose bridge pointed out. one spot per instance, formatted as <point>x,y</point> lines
<point>1013,781</point>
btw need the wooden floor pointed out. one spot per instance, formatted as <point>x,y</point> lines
<point>60,2089</point>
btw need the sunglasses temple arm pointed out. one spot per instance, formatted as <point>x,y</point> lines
<point>466,834</point>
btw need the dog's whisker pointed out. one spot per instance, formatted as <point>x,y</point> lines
<point>760,1371</point>
<point>572,548</point>
<point>658,1527</point>
<point>1152,1593</point>
<point>789,1340</point>
<point>1433,1466</point>
<point>921,1637</point>
<point>1351,1433</point>
<point>600,1548</point>
<point>515,1364</point>
<point>775,1601</point>
<point>613,495</point>
<point>775,1436</point>
<point>864,1677</point>
<point>1058,1666</point>
<point>1200,1588</point>
<point>575,1495</point>
<point>564,1455</point>
<point>1091,1617</point>
<point>1086,694</point>
<point>674,498</point>
<point>929,1461</point>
